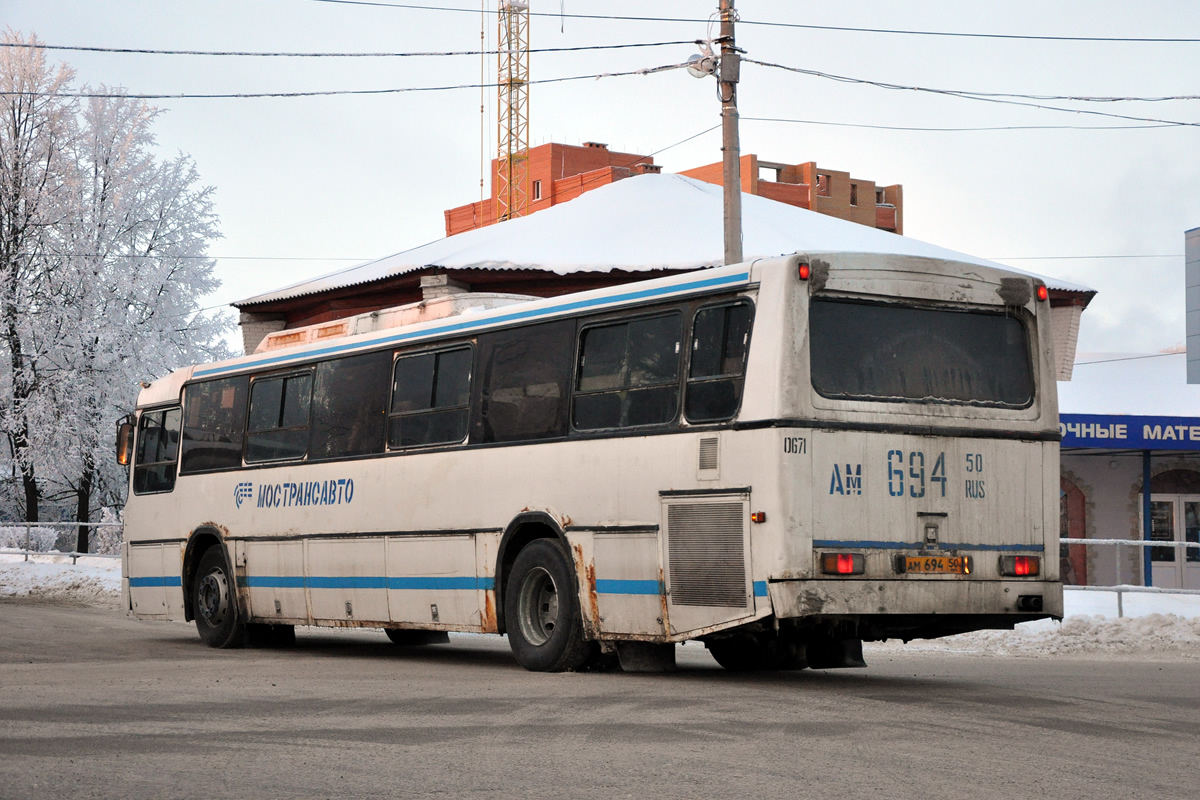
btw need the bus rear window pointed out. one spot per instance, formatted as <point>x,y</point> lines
<point>877,351</point>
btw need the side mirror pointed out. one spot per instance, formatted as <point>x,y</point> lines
<point>125,440</point>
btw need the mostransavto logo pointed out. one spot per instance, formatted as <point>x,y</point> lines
<point>243,491</point>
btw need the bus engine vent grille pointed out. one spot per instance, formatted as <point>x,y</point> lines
<point>706,552</point>
<point>708,452</point>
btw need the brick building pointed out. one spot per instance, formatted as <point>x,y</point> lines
<point>557,173</point>
<point>560,172</point>
<point>827,191</point>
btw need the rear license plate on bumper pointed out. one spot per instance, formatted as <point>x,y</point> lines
<point>934,565</point>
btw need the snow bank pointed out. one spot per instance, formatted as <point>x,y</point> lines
<point>1153,623</point>
<point>1154,634</point>
<point>93,581</point>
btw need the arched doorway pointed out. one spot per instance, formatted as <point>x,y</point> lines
<point>1175,517</point>
<point>1072,525</point>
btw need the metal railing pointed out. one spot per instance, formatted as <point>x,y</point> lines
<point>30,527</point>
<point>1132,542</point>
<point>1122,589</point>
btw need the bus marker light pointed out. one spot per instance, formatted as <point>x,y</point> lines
<point>125,441</point>
<point>842,563</point>
<point>758,516</point>
<point>1042,293</point>
<point>1020,566</point>
<point>805,272</point>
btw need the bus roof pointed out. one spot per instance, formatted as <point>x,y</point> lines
<point>732,278</point>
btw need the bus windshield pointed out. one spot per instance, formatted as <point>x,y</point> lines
<point>889,352</point>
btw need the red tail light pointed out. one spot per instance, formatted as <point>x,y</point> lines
<point>805,272</point>
<point>1020,566</point>
<point>1042,292</point>
<point>842,563</point>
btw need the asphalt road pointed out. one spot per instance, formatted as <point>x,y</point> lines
<point>96,705</point>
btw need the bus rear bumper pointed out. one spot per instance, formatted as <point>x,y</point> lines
<point>1022,600</point>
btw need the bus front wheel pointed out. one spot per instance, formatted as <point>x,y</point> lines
<point>545,624</point>
<point>214,600</point>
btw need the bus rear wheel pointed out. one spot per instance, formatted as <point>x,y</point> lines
<point>214,600</point>
<point>755,654</point>
<point>542,614</point>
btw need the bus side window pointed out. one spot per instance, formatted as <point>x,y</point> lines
<point>628,373</point>
<point>430,397</point>
<point>720,336</point>
<point>157,451</point>
<point>525,377</point>
<point>349,406</point>
<point>278,425</point>
<point>213,424</point>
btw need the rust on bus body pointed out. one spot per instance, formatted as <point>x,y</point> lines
<point>490,625</point>
<point>587,572</point>
<point>662,598</point>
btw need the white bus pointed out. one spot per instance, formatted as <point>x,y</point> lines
<point>780,459</point>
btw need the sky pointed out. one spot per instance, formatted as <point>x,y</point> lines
<point>305,186</point>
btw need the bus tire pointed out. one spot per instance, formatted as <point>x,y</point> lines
<point>545,624</point>
<point>214,598</point>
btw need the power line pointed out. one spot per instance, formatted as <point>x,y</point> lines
<point>240,53</point>
<point>981,128</point>
<point>795,25</point>
<point>1125,358</point>
<point>681,141</point>
<point>656,152</point>
<point>1071,258</point>
<point>333,92</point>
<point>122,256</point>
<point>963,94</point>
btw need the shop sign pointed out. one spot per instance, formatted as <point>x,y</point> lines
<point>1129,432</point>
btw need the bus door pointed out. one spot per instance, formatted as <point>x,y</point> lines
<point>153,569</point>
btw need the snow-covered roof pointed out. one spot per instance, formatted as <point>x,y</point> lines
<point>643,223</point>
<point>1135,384</point>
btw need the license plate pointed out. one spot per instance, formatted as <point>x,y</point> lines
<point>937,565</point>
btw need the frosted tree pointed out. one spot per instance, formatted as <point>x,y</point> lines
<point>120,271</point>
<point>132,265</point>
<point>36,130</point>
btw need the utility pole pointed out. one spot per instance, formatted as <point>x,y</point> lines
<point>727,80</point>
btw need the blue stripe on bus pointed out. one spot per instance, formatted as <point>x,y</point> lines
<point>349,582</point>
<point>613,586</point>
<point>272,582</point>
<point>159,581</point>
<point>872,545</point>
<point>367,582</point>
<point>642,294</point>
<point>484,584</point>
